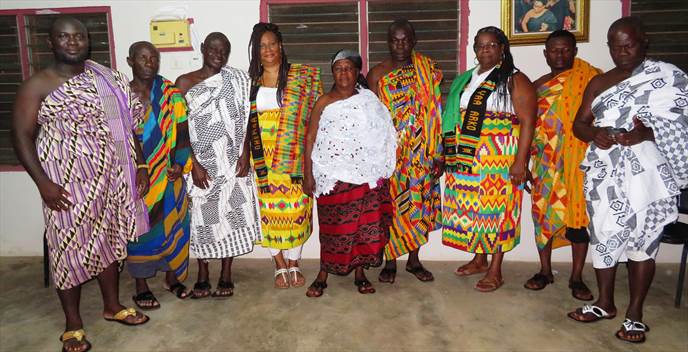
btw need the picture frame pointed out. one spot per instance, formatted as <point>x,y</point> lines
<point>543,17</point>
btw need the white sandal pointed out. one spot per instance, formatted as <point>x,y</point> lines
<point>295,270</point>
<point>283,272</point>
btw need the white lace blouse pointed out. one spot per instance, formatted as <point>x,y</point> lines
<point>356,143</point>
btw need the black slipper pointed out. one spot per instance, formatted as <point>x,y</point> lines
<point>420,273</point>
<point>146,296</point>
<point>203,287</point>
<point>223,286</point>
<point>387,275</point>
<point>178,289</point>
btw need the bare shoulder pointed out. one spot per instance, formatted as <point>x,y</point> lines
<point>186,81</point>
<point>322,102</point>
<point>40,85</point>
<point>542,80</point>
<point>379,70</point>
<point>521,81</point>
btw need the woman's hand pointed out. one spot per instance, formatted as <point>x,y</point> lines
<point>308,184</point>
<point>54,196</point>
<point>517,172</point>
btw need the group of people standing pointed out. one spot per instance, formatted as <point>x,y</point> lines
<point>145,171</point>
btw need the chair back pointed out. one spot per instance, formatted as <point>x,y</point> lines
<point>683,201</point>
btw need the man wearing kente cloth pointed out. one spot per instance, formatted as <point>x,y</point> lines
<point>224,204</point>
<point>73,130</point>
<point>408,83</point>
<point>636,116</point>
<point>164,137</point>
<point>557,182</point>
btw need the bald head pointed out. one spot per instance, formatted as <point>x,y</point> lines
<point>64,22</point>
<point>138,46</point>
<point>217,36</point>
<point>631,24</point>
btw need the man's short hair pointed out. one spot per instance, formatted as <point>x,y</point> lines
<point>561,33</point>
<point>404,24</point>
<point>632,22</point>
<point>218,36</point>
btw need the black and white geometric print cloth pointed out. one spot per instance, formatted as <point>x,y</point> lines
<point>225,219</point>
<point>631,191</point>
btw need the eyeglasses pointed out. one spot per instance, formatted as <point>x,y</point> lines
<point>490,46</point>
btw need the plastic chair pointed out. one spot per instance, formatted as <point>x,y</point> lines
<point>677,233</point>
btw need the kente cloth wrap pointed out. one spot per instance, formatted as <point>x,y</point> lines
<point>557,192</point>
<point>482,208</point>
<point>285,211</point>
<point>412,95</point>
<point>86,145</point>
<point>356,143</point>
<point>298,98</point>
<point>164,137</point>
<point>631,190</point>
<point>354,225</point>
<point>224,217</point>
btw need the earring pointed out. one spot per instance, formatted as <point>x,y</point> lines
<point>475,61</point>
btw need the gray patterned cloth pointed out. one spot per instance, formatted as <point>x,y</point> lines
<point>631,190</point>
<point>225,219</point>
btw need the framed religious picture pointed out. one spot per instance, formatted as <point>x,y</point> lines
<point>528,22</point>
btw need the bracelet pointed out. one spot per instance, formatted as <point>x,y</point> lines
<point>142,166</point>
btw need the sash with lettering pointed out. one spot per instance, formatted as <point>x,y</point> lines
<point>473,124</point>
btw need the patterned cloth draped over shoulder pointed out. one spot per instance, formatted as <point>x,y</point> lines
<point>224,216</point>
<point>86,145</point>
<point>631,190</point>
<point>412,95</point>
<point>165,142</point>
<point>558,199</point>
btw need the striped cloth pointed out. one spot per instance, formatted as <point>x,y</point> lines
<point>412,95</point>
<point>165,140</point>
<point>78,151</point>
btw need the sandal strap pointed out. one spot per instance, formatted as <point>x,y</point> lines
<point>202,286</point>
<point>124,313</point>
<point>362,283</point>
<point>320,285</point>
<point>633,326</point>
<point>145,296</point>
<point>294,269</point>
<point>78,335</point>
<point>282,271</point>
<point>578,285</point>
<point>595,310</point>
<point>225,285</point>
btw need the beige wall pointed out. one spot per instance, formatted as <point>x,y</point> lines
<point>21,220</point>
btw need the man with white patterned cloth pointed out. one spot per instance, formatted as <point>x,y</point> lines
<point>636,117</point>
<point>224,204</point>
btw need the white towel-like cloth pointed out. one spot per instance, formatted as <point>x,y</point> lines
<point>356,143</point>
<point>631,190</point>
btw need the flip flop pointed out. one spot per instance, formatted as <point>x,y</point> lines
<point>364,286</point>
<point>539,282</point>
<point>468,272</point>
<point>223,286</point>
<point>596,312</point>
<point>317,288</point>
<point>488,285</point>
<point>79,336</point>
<point>420,273</point>
<point>634,328</point>
<point>146,296</point>
<point>122,315</point>
<point>202,287</point>
<point>179,290</point>
<point>387,275</point>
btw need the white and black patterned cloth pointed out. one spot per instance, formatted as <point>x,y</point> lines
<point>631,190</point>
<point>225,219</point>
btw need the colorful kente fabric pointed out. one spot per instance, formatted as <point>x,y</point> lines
<point>78,151</point>
<point>354,225</point>
<point>165,139</point>
<point>298,98</point>
<point>558,199</point>
<point>285,210</point>
<point>412,95</point>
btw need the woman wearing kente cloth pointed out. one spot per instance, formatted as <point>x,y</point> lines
<point>282,97</point>
<point>488,127</point>
<point>164,138</point>
<point>350,154</point>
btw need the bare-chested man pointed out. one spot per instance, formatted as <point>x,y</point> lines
<point>414,187</point>
<point>224,206</point>
<point>73,130</point>
<point>635,117</point>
